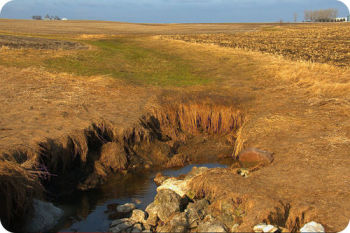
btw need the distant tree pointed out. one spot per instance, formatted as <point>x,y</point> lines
<point>47,16</point>
<point>295,17</point>
<point>326,15</point>
<point>57,18</point>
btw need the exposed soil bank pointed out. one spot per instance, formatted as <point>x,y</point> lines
<point>169,136</point>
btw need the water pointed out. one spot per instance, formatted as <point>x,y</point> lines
<point>85,211</point>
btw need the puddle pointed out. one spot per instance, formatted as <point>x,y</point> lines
<point>85,211</point>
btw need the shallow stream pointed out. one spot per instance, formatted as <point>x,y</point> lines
<point>86,211</point>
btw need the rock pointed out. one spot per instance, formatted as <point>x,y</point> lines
<point>121,225</point>
<point>234,228</point>
<point>312,227</point>
<point>138,216</point>
<point>254,157</point>
<point>196,212</point>
<point>176,223</point>
<point>126,208</point>
<point>180,187</point>
<point>45,216</point>
<point>243,172</point>
<point>152,210</point>
<point>137,228</point>
<point>211,226</point>
<point>265,228</point>
<point>159,179</point>
<point>169,202</point>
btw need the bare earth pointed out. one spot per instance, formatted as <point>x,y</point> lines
<point>298,110</point>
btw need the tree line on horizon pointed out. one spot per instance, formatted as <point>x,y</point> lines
<point>326,15</point>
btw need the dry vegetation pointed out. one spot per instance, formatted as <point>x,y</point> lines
<point>53,115</point>
<point>325,43</point>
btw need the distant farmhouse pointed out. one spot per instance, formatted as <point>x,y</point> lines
<point>47,17</point>
<point>341,19</point>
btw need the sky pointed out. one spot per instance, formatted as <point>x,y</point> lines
<point>170,11</point>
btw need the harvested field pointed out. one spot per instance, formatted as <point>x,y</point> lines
<point>322,43</point>
<point>150,101</point>
<point>20,42</point>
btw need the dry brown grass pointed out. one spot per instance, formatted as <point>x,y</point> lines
<point>18,186</point>
<point>200,118</point>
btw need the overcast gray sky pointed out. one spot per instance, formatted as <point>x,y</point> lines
<point>170,11</point>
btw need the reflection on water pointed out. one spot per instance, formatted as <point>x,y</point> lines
<point>85,211</point>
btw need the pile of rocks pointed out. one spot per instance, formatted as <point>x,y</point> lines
<point>171,211</point>
<point>175,209</point>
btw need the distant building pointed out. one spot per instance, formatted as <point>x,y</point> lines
<point>341,19</point>
<point>37,17</point>
<point>64,19</point>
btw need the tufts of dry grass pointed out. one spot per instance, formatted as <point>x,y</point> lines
<point>198,118</point>
<point>18,186</point>
<point>113,157</point>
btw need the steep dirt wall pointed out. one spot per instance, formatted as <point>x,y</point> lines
<point>85,158</point>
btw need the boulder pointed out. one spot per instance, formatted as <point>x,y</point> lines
<point>159,179</point>
<point>169,202</point>
<point>126,208</point>
<point>265,228</point>
<point>210,225</point>
<point>121,225</point>
<point>152,210</point>
<point>176,223</point>
<point>180,187</point>
<point>138,216</point>
<point>45,217</point>
<point>137,228</point>
<point>312,227</point>
<point>254,157</point>
<point>196,212</point>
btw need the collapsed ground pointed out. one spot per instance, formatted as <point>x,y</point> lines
<point>298,110</point>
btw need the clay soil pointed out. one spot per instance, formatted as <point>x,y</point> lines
<point>298,110</point>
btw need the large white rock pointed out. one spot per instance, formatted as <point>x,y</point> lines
<point>181,187</point>
<point>265,228</point>
<point>45,217</point>
<point>312,227</point>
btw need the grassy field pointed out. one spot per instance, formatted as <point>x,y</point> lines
<point>283,88</point>
<point>122,58</point>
